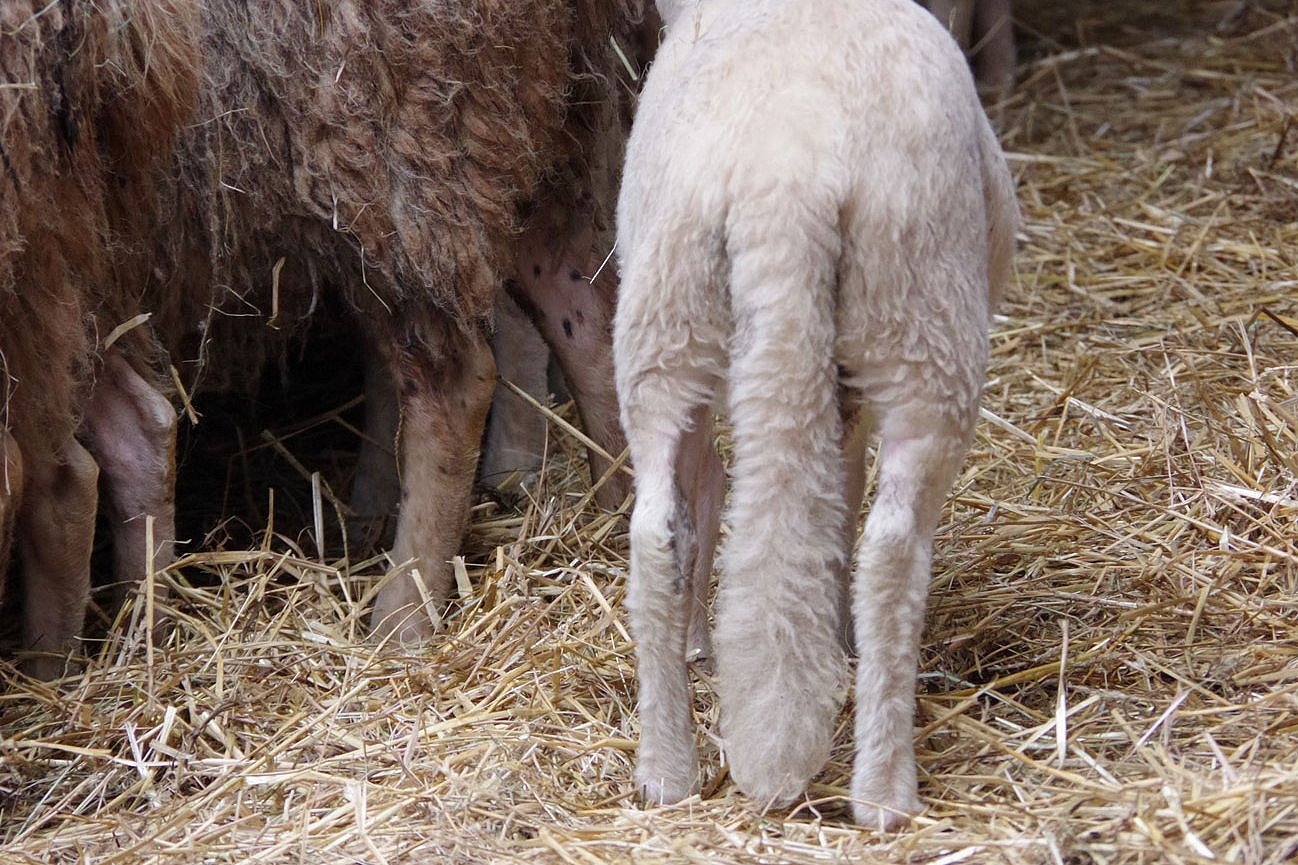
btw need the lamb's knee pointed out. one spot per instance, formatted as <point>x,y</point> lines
<point>662,544</point>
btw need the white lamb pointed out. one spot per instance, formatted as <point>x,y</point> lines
<point>815,221</point>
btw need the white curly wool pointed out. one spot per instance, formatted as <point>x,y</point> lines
<point>815,220</point>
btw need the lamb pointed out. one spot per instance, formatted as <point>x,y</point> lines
<point>403,162</point>
<point>814,223</point>
<point>89,94</point>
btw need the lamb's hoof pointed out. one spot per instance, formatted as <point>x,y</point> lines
<point>883,818</point>
<point>884,795</point>
<point>700,658</point>
<point>660,788</point>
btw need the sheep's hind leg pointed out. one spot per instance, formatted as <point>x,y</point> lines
<point>702,477</point>
<point>920,453</point>
<point>11,495</point>
<point>664,546</point>
<point>515,430</point>
<point>573,310</point>
<point>56,534</point>
<point>131,429</point>
<point>995,55</point>
<point>376,489</point>
<point>445,391</point>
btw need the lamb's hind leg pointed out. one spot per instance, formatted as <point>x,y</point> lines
<point>856,434</point>
<point>664,546</point>
<point>669,360</point>
<point>921,450</point>
<point>702,478</point>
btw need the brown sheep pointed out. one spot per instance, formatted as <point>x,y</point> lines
<point>89,93</point>
<point>410,159</point>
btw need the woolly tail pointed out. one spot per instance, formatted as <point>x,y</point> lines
<point>779,662</point>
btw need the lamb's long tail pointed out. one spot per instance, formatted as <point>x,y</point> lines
<point>779,663</point>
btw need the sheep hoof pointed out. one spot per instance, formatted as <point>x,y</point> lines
<point>886,806</point>
<point>661,788</point>
<point>403,629</point>
<point>514,488</point>
<point>700,658</point>
<point>883,819</point>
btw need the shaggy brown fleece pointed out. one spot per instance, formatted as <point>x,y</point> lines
<point>91,94</point>
<point>386,150</point>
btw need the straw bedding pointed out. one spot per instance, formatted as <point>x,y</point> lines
<point>1110,671</point>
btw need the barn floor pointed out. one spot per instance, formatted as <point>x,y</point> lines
<point>1110,671</point>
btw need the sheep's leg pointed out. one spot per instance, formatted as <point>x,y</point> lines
<point>957,16</point>
<point>11,496</point>
<point>920,453</point>
<point>984,29</point>
<point>130,428</point>
<point>670,338</point>
<point>515,430</point>
<point>573,310</point>
<point>444,402</point>
<point>778,664</point>
<point>56,534</point>
<point>994,55</point>
<point>664,545</point>
<point>856,434</point>
<point>700,474</point>
<point>376,488</point>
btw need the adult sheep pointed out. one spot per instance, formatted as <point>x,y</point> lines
<point>815,221</point>
<point>408,159</point>
<point>90,94</point>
